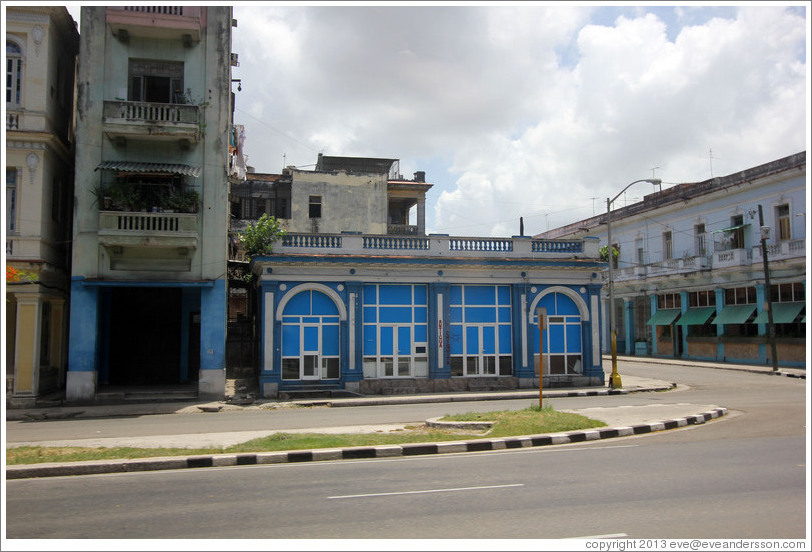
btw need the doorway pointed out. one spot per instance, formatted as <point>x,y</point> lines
<point>145,336</point>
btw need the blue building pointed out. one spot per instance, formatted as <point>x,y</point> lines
<point>404,313</point>
<point>689,278</point>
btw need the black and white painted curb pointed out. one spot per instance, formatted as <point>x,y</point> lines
<point>353,453</point>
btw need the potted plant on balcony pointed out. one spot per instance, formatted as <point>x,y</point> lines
<point>102,197</point>
<point>182,201</point>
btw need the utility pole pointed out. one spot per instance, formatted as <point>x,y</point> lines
<point>765,231</point>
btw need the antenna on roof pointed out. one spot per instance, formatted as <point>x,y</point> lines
<point>710,160</point>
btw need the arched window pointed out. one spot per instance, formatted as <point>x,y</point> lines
<point>562,336</point>
<point>310,337</point>
<point>14,73</point>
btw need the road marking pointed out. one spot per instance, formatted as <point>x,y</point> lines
<point>430,491</point>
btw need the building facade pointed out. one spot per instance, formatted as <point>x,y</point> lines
<point>355,297</point>
<point>42,45</point>
<point>154,121</point>
<point>689,277</point>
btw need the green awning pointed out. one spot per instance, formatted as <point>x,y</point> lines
<point>783,313</point>
<point>734,314</point>
<point>663,317</point>
<point>732,228</point>
<point>696,316</point>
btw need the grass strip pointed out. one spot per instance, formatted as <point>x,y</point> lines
<point>530,421</point>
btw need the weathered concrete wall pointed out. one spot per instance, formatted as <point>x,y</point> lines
<point>349,202</point>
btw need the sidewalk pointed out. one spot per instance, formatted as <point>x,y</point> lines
<point>631,384</point>
<point>621,421</point>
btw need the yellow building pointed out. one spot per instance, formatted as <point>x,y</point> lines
<point>42,45</point>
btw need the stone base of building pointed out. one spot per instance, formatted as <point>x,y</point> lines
<point>270,390</point>
<point>411,386</point>
<point>212,385</point>
<point>80,387</point>
<point>29,401</point>
<point>570,380</point>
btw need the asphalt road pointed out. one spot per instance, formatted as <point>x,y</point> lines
<point>742,476</point>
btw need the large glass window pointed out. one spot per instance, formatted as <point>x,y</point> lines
<point>14,73</point>
<point>741,296</point>
<point>310,337</point>
<point>395,319</point>
<point>480,338</point>
<point>561,338</point>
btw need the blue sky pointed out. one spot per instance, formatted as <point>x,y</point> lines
<point>526,109</point>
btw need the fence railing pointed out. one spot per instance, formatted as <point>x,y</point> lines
<point>151,223</point>
<point>150,112</point>
<point>437,245</point>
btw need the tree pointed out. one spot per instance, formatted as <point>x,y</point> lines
<point>604,252</point>
<point>258,237</point>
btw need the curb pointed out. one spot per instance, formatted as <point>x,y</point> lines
<point>88,412</point>
<point>353,453</point>
<point>411,399</point>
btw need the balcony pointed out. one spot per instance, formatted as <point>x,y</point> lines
<point>151,121</point>
<point>119,229</point>
<point>671,267</point>
<point>181,23</point>
<point>782,251</point>
<point>402,229</point>
<point>13,120</point>
<point>438,246</point>
<point>732,258</point>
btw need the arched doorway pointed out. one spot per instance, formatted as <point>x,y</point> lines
<point>562,339</point>
<point>310,337</point>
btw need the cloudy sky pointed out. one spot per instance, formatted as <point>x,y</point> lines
<point>533,110</point>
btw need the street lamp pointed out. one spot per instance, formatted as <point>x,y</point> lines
<point>614,379</point>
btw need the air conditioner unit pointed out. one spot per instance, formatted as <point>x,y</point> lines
<point>235,62</point>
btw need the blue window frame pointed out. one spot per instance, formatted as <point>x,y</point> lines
<point>480,330</point>
<point>395,330</point>
<point>310,337</point>
<point>562,339</point>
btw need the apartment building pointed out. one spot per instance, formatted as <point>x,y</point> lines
<point>42,45</point>
<point>689,277</point>
<point>154,121</point>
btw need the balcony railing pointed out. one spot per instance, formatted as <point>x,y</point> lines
<point>732,257</point>
<point>13,120</point>
<point>169,22</point>
<point>785,250</point>
<point>152,119</point>
<point>782,250</point>
<point>148,229</point>
<point>402,229</point>
<point>438,246</point>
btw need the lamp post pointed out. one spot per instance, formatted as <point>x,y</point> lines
<point>614,378</point>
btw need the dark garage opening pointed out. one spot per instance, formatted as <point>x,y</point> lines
<point>145,336</point>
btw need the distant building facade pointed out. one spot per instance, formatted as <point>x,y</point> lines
<point>154,117</point>
<point>42,45</point>
<point>356,296</point>
<point>689,279</point>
